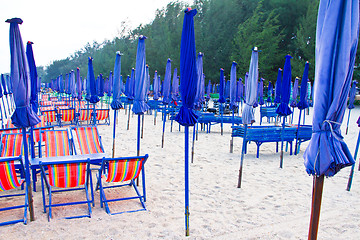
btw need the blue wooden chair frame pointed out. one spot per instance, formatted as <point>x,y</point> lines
<point>100,186</point>
<point>268,112</point>
<point>25,194</point>
<point>87,185</point>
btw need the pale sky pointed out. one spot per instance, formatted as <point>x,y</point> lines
<point>59,28</point>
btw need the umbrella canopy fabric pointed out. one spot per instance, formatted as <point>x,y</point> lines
<point>303,103</point>
<point>227,89</point>
<point>167,83</point>
<point>147,80</point>
<point>261,92</point>
<point>222,87</point>
<point>132,85</point>
<point>239,91</point>
<point>127,86</point>
<point>78,84</point>
<point>233,88</point>
<point>33,77</point>
<point>269,92</point>
<point>24,116</point>
<point>199,66</point>
<point>8,84</point>
<point>156,87</point>
<point>101,86</point>
<point>284,109</point>
<point>295,93</point>
<point>251,89</point>
<point>93,98</point>
<point>140,105</point>
<point>188,71</point>
<point>3,84</point>
<point>110,82</point>
<point>278,87</point>
<point>175,86</point>
<point>72,84</point>
<point>117,82</point>
<point>336,43</point>
<point>208,91</point>
<point>351,95</point>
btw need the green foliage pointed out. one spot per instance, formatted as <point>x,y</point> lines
<point>226,31</point>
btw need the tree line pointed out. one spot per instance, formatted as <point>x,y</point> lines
<point>225,31</point>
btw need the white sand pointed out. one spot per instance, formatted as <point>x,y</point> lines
<point>273,203</point>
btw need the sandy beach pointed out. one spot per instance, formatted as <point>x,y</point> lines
<point>273,203</point>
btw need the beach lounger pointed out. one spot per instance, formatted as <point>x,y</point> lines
<point>88,139</point>
<point>268,112</point>
<point>64,177</point>
<point>103,115</point>
<point>67,116</point>
<point>11,144</point>
<point>51,117</point>
<point>118,171</point>
<point>84,115</point>
<point>9,181</point>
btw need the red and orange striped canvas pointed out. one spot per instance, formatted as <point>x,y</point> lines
<point>57,143</point>
<point>50,116</point>
<point>12,145</point>
<point>88,139</point>
<point>67,175</point>
<point>45,103</point>
<point>124,170</point>
<point>85,114</point>
<point>8,178</point>
<point>45,97</point>
<point>67,115</point>
<point>102,114</point>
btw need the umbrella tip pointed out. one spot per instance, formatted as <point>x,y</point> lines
<point>30,42</point>
<point>188,9</point>
<point>14,20</point>
<point>142,37</point>
<point>119,53</point>
<point>255,49</point>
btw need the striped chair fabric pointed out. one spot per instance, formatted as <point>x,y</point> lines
<point>67,115</point>
<point>45,97</point>
<point>50,116</point>
<point>67,175</point>
<point>12,145</point>
<point>102,114</point>
<point>57,143</point>
<point>85,114</point>
<point>89,140</point>
<point>124,170</point>
<point>8,177</point>
<point>46,103</point>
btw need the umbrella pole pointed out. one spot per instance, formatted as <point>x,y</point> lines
<point>155,115</point>
<point>282,143</point>
<point>94,113</point>
<point>221,113</point>
<point>242,156</point>
<point>193,144</point>
<point>187,213</point>
<point>27,176</point>
<point>232,138</point>
<point>142,125</point>
<point>138,144</point>
<point>113,150</point>
<point>297,134</point>
<point>128,123</point>
<point>318,184</point>
<point>163,130</point>
<point>347,125</point>
<point>353,166</point>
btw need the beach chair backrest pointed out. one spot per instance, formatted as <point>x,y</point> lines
<point>45,103</point>
<point>50,115</point>
<point>121,170</point>
<point>8,177</point>
<point>85,114</point>
<point>67,115</point>
<point>67,175</point>
<point>102,114</point>
<point>12,144</point>
<point>45,97</point>
<point>57,143</point>
<point>89,140</point>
